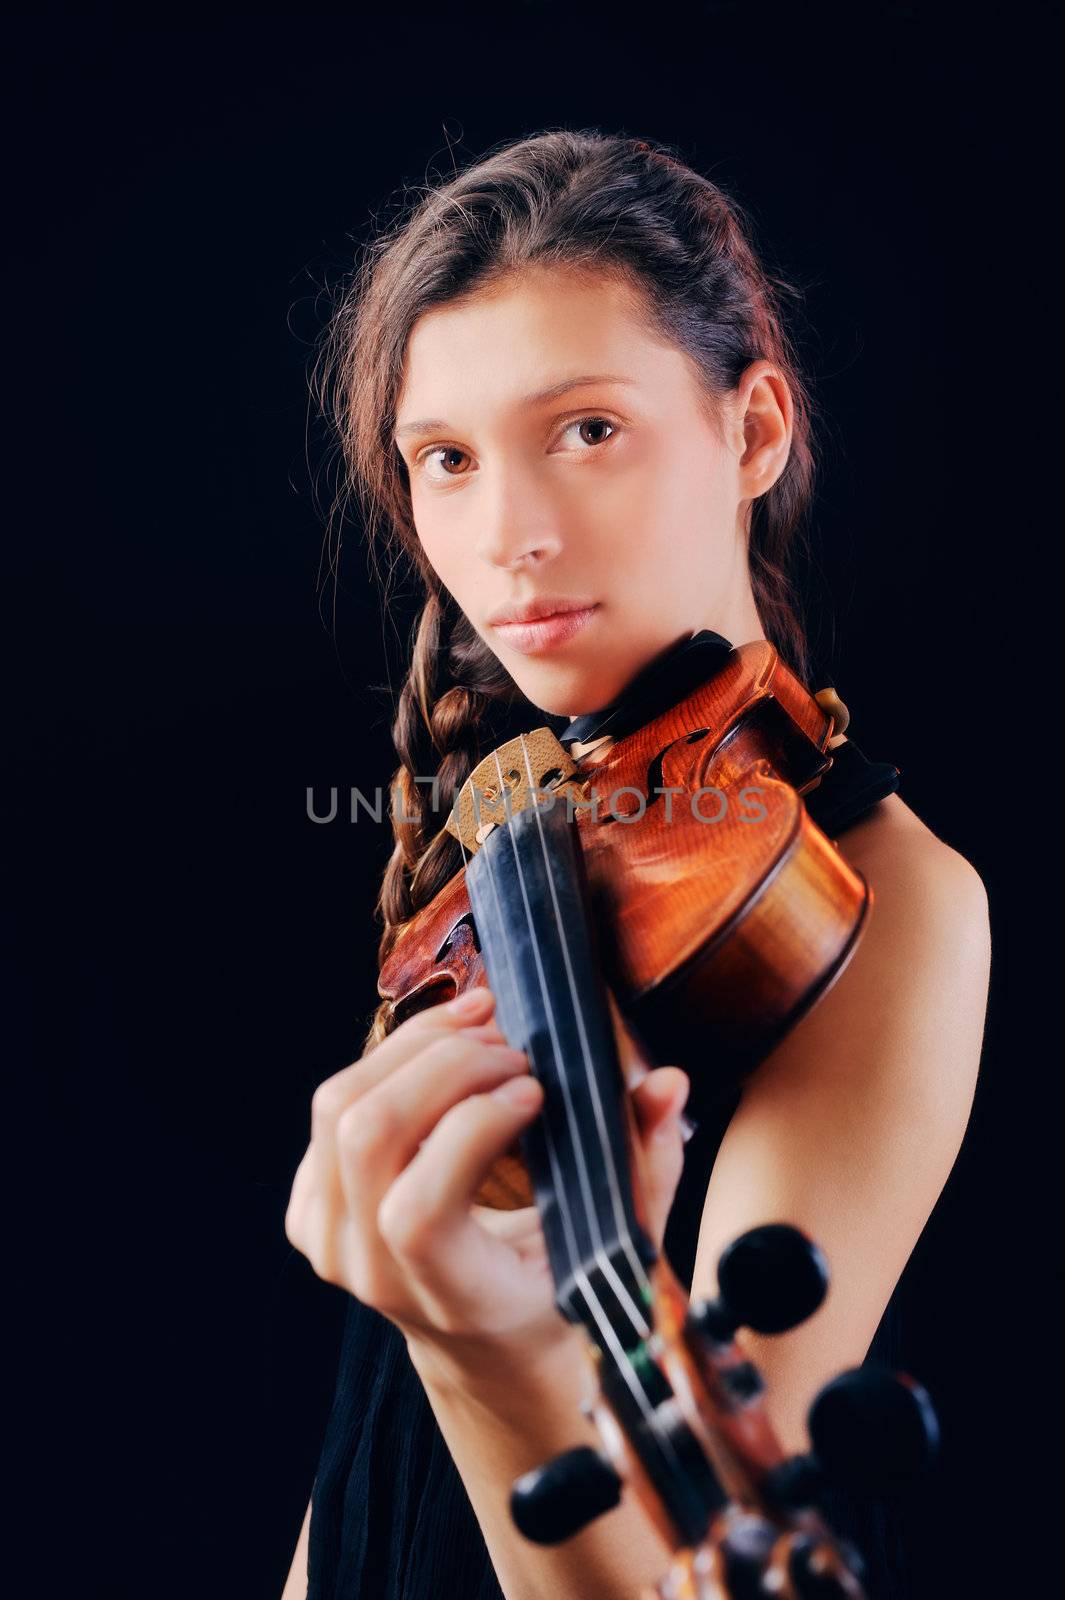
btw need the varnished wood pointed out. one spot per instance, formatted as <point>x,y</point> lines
<point>714,937</point>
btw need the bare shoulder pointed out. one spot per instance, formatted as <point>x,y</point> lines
<point>915,990</point>
<point>910,1003</point>
<point>894,848</point>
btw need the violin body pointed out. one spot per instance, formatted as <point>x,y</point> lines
<point>721,911</point>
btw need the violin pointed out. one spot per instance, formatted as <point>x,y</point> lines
<point>666,896</point>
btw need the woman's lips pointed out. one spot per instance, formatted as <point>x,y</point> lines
<point>532,638</point>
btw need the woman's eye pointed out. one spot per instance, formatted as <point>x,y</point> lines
<point>448,456</point>
<point>445,450</point>
<point>594,423</point>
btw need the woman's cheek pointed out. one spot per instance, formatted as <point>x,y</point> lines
<point>633,535</point>
<point>434,542</point>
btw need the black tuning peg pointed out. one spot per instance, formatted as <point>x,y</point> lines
<point>769,1279</point>
<point>553,1502</point>
<point>872,1431</point>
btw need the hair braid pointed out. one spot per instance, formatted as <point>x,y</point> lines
<point>437,736</point>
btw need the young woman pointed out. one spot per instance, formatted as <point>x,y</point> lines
<point>562,384</point>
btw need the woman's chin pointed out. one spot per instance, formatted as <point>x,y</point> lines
<point>559,693</point>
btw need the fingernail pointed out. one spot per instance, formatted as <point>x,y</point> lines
<point>666,1089</point>
<point>676,1120</point>
<point>524,1092</point>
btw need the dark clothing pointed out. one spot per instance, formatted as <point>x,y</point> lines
<point>390,1517</point>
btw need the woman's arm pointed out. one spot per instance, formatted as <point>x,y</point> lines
<point>850,1128</point>
<point>499,1423</point>
<point>296,1582</point>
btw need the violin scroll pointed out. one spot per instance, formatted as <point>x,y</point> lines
<point>871,1430</point>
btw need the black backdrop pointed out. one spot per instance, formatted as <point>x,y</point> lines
<point>194,954</point>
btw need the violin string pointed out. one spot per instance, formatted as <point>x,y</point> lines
<point>556,1171</point>
<point>606,1147</point>
<point>624,1367</point>
<point>571,1239</point>
<point>639,1322</point>
<point>623,1364</point>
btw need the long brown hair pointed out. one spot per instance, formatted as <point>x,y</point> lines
<point>630,208</point>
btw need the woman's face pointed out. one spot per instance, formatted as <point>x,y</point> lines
<point>558,451</point>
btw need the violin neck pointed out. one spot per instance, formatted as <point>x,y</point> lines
<point>528,893</point>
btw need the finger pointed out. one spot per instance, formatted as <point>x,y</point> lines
<point>660,1096</point>
<point>378,1134</point>
<point>333,1096</point>
<point>658,1102</point>
<point>427,1210</point>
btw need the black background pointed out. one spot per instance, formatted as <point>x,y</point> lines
<point>195,955</point>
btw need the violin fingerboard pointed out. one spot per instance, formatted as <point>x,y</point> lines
<point>528,894</point>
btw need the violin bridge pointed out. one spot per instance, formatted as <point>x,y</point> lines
<point>501,785</point>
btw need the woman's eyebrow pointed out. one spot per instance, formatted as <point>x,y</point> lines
<point>406,429</point>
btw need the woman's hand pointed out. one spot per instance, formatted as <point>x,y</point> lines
<point>383,1201</point>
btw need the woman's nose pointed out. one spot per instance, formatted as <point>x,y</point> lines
<point>519,552</point>
<point>515,532</point>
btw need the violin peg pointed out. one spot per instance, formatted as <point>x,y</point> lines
<point>833,706</point>
<point>553,1502</point>
<point>873,1430</point>
<point>771,1279</point>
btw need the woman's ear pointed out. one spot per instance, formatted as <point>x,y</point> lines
<point>764,415</point>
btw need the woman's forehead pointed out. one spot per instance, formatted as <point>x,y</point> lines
<point>524,347</point>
